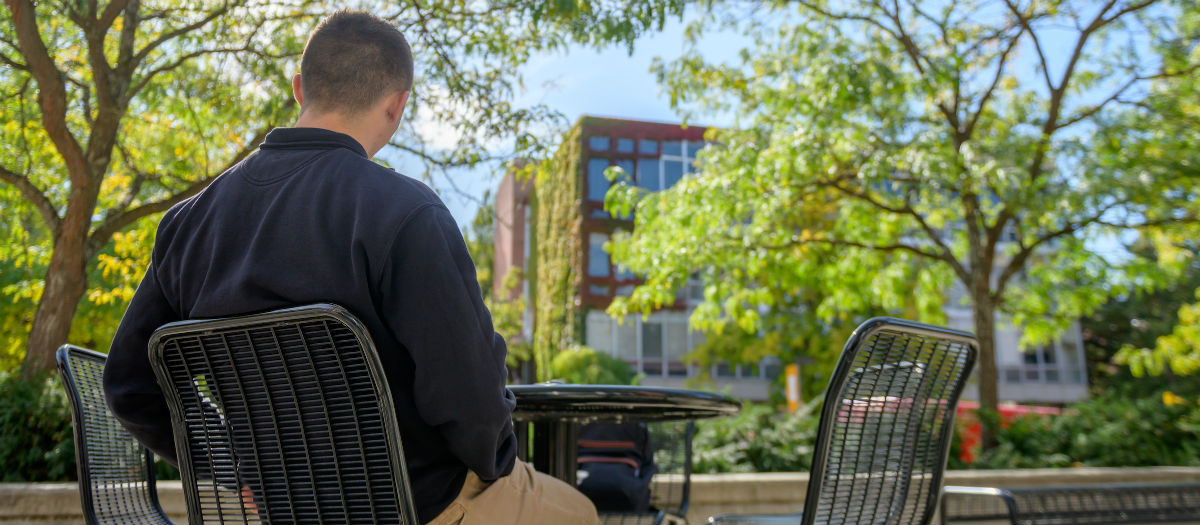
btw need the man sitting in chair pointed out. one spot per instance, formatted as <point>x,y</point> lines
<point>309,218</point>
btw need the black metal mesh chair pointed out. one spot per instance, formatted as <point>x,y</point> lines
<point>283,417</point>
<point>116,473</point>
<point>885,427</point>
<point>670,488</point>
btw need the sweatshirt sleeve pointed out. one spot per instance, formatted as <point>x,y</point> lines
<point>130,388</point>
<point>432,303</point>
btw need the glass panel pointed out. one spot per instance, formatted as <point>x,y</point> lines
<point>647,174</point>
<point>1029,357</point>
<point>724,370</point>
<point>1048,356</point>
<point>626,165</point>
<point>695,146</point>
<point>599,290</point>
<point>598,143</point>
<point>1012,375</point>
<point>672,172</point>
<point>772,369</point>
<point>676,341</point>
<point>625,291</point>
<point>623,273</point>
<point>624,145</point>
<point>599,214</point>
<point>1068,348</point>
<point>652,341</point>
<point>672,147</point>
<point>597,184</point>
<point>597,257</point>
<point>1032,375</point>
<point>1051,375</point>
<point>677,369</point>
<point>652,368</point>
<point>627,341</point>
<point>648,147</point>
<point>600,333</point>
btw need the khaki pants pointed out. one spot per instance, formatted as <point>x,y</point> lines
<point>524,496</point>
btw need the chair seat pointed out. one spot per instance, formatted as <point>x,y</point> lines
<point>756,519</point>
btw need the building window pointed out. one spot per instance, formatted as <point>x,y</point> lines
<point>648,147</point>
<point>1043,365</point>
<point>652,348</point>
<point>676,340</point>
<point>596,182</point>
<point>658,345</point>
<point>624,145</point>
<point>647,174</point>
<point>598,265</point>
<point>598,143</point>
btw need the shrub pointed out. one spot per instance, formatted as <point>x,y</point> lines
<point>759,439</point>
<point>35,430</point>
<point>1126,427</point>
<point>583,365</point>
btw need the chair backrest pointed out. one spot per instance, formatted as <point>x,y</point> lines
<point>283,417</point>
<point>116,473</point>
<point>886,424</point>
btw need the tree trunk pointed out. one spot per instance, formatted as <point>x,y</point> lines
<point>66,282</point>
<point>985,330</point>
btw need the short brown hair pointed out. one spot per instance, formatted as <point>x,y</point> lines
<point>351,60</point>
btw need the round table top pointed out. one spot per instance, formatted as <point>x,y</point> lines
<point>587,403</point>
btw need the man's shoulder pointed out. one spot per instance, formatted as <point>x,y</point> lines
<point>376,182</point>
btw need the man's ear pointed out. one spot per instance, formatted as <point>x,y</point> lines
<point>395,107</point>
<point>297,90</point>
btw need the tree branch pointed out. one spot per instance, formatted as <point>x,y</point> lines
<point>145,79</point>
<point>945,253</point>
<point>34,196</point>
<point>877,247</point>
<point>969,130</point>
<point>111,225</point>
<point>111,11</point>
<point>52,93</point>
<point>1116,95</point>
<point>1037,43</point>
<point>170,35</point>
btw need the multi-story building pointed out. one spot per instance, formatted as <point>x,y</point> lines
<point>656,156</point>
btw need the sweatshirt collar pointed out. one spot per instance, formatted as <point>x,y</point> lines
<point>310,138</point>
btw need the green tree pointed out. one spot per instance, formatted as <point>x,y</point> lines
<point>508,312</point>
<point>889,153</point>
<point>114,111</point>
<point>1134,320</point>
<point>1165,141</point>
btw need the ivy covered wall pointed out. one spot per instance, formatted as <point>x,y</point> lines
<point>555,251</point>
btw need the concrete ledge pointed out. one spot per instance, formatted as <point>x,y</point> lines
<point>783,492</point>
<point>769,493</point>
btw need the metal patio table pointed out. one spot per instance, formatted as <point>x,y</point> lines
<point>556,410</point>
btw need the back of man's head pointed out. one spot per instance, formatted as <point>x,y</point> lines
<point>351,61</point>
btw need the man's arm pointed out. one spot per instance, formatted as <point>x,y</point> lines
<point>432,302</point>
<point>129,384</point>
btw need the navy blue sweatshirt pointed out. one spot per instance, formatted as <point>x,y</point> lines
<point>309,218</point>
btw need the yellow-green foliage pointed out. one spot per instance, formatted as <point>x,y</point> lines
<point>583,365</point>
<point>555,250</point>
